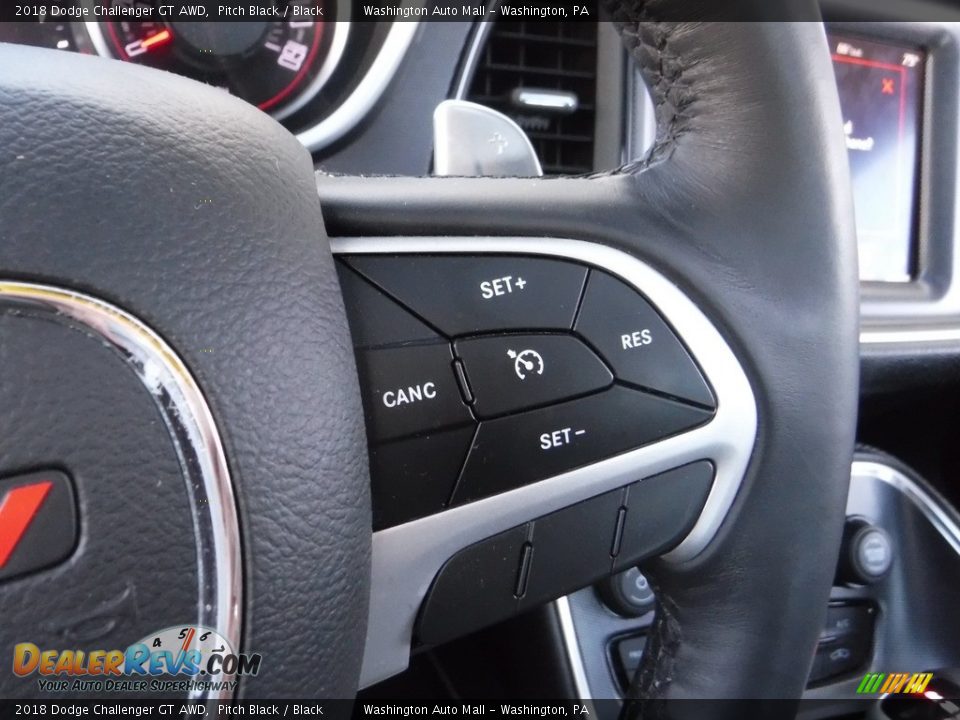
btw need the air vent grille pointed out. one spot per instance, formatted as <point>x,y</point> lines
<point>553,56</point>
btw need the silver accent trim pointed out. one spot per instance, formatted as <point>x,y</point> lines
<point>557,101</point>
<point>99,42</point>
<point>917,335</point>
<point>474,48</point>
<point>366,94</point>
<point>472,140</point>
<point>927,504</point>
<point>194,434</point>
<point>572,646</point>
<point>406,558</point>
<point>357,104</point>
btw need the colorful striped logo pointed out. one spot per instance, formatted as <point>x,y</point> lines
<point>894,683</point>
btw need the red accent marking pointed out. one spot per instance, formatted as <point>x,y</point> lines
<point>868,63</point>
<point>187,640</point>
<point>319,29</point>
<point>17,511</point>
<point>161,37</point>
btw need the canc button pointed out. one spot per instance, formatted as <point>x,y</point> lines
<point>410,390</point>
<point>637,343</point>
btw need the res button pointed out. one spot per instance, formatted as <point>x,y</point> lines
<point>638,344</point>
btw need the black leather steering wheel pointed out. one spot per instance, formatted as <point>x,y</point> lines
<point>744,202</point>
<point>199,216</point>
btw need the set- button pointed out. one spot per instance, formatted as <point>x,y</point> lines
<point>520,449</point>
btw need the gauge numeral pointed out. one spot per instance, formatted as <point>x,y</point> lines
<point>292,55</point>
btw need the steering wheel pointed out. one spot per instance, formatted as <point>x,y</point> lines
<point>173,341</point>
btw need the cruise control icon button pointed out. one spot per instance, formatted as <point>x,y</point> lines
<point>526,362</point>
<point>638,344</point>
<point>508,373</point>
<point>38,523</point>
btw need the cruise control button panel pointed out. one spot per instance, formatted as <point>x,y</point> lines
<point>507,373</point>
<point>484,373</point>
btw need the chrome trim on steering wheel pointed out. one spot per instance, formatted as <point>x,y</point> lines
<point>406,558</point>
<point>194,434</point>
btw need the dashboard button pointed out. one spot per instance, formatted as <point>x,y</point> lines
<point>638,344</point>
<point>461,295</point>
<point>415,477</point>
<point>410,390</point>
<point>474,588</point>
<point>511,372</point>
<point>840,657</point>
<point>375,319</point>
<point>629,593</point>
<point>848,620</point>
<point>513,451</point>
<point>661,511</point>
<point>629,654</point>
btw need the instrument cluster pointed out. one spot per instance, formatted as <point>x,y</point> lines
<point>306,64</point>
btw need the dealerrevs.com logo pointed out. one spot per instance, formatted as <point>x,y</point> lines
<point>177,659</point>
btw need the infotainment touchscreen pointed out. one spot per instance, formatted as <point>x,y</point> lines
<point>880,88</point>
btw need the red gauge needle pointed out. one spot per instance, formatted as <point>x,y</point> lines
<point>158,39</point>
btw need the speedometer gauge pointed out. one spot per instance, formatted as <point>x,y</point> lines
<point>276,65</point>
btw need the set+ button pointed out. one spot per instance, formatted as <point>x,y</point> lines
<point>462,295</point>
